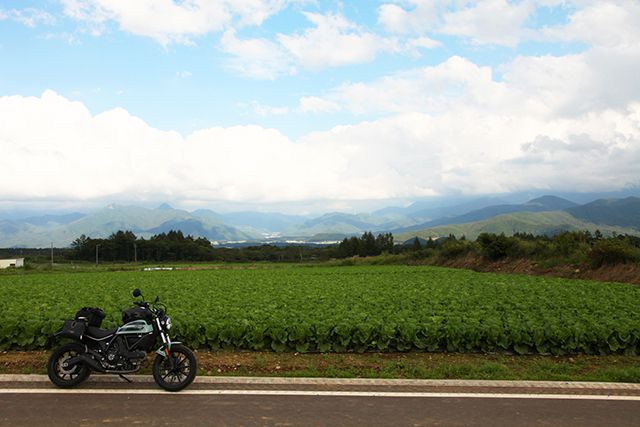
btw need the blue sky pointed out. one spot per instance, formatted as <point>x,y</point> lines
<point>187,87</point>
<point>316,102</point>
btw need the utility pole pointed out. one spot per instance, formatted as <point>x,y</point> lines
<point>51,254</point>
<point>97,246</point>
<point>135,253</point>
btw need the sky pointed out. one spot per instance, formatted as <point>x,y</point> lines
<point>302,105</point>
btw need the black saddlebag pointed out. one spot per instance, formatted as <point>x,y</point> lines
<point>93,315</point>
<point>74,329</point>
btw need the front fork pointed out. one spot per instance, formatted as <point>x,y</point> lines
<point>165,348</point>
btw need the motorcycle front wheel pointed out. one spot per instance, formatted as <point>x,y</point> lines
<point>178,370</point>
<point>69,376</point>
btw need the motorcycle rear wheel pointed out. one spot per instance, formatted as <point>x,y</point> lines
<point>70,376</point>
<point>177,371</point>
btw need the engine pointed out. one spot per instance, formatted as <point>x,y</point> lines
<point>116,356</point>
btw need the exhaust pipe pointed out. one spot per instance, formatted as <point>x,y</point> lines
<point>83,358</point>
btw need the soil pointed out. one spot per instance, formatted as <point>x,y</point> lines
<point>382,365</point>
<point>626,273</point>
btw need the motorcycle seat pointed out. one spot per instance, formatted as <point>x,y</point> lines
<point>98,333</point>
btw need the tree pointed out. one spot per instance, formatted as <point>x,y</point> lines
<point>80,243</point>
<point>367,246</point>
<point>384,242</point>
<point>494,246</point>
<point>416,244</point>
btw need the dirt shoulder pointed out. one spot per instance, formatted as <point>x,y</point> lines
<point>625,273</point>
<point>611,368</point>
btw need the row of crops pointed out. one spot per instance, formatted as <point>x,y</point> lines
<point>373,308</point>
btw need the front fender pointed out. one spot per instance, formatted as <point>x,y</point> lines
<point>165,348</point>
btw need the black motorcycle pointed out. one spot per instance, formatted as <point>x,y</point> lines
<point>121,350</point>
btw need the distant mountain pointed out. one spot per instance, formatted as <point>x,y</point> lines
<point>9,227</point>
<point>263,222</point>
<point>208,215</point>
<point>540,204</point>
<point>622,212</point>
<point>423,215</point>
<point>198,228</point>
<point>114,217</point>
<point>54,219</point>
<point>540,223</point>
<point>427,210</point>
<point>164,207</point>
<point>425,218</point>
<point>335,223</point>
<point>550,203</point>
<point>99,224</point>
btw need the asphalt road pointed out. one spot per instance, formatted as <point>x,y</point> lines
<point>317,403</point>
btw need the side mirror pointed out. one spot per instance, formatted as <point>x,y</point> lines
<point>136,293</point>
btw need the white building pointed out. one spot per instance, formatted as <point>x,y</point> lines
<point>14,262</point>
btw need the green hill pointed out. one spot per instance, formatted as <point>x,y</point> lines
<point>540,204</point>
<point>100,224</point>
<point>522,222</point>
<point>622,212</point>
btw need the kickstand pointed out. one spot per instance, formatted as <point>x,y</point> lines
<point>125,378</point>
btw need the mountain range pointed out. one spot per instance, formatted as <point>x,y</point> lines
<point>542,215</point>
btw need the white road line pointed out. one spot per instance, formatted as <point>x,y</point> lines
<point>324,393</point>
<point>31,378</point>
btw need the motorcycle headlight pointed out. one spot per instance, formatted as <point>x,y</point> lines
<point>167,323</point>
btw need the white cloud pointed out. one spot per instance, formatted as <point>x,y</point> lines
<point>504,22</point>
<point>601,24</point>
<point>314,104</point>
<point>168,21</point>
<point>490,22</point>
<point>54,148</point>
<point>494,22</point>
<point>70,39</point>
<point>334,41</point>
<point>30,17</point>
<point>602,77</point>
<point>436,89</point>
<point>423,42</point>
<point>419,16</point>
<point>184,74</point>
<point>265,110</point>
<point>567,122</point>
<point>258,58</point>
<point>599,151</point>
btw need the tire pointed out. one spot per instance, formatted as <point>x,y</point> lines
<point>177,371</point>
<point>67,377</point>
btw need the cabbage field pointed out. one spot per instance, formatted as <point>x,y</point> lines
<point>369,308</point>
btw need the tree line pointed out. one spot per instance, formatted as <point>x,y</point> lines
<point>124,246</point>
<point>568,248</point>
<point>571,247</point>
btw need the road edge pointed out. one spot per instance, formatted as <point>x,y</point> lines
<point>32,378</point>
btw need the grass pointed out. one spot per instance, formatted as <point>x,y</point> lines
<point>411,365</point>
<point>89,267</point>
<point>612,368</point>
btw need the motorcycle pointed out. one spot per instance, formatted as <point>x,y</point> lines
<point>121,350</point>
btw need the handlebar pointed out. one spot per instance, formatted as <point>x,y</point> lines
<point>152,306</point>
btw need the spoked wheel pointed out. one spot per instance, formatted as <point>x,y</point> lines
<point>71,376</point>
<point>177,371</point>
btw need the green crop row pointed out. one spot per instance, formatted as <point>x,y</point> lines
<point>374,308</point>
